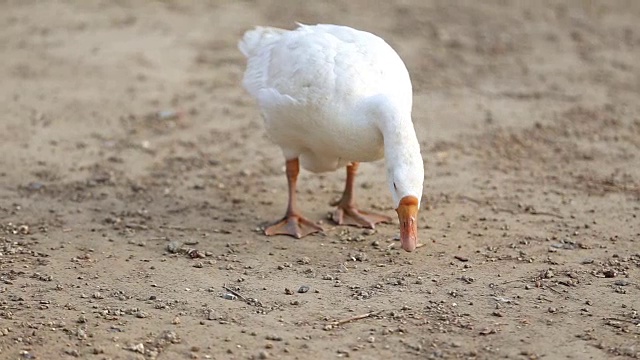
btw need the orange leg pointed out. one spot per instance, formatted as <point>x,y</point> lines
<point>293,224</point>
<point>347,213</point>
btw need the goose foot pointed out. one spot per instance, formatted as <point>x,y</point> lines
<point>345,215</point>
<point>293,225</point>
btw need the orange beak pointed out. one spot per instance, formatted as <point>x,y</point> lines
<point>408,217</point>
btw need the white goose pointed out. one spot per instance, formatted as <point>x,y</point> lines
<point>333,96</point>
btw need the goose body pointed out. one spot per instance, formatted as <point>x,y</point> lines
<point>332,96</point>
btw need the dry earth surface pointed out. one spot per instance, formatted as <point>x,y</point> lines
<point>135,177</point>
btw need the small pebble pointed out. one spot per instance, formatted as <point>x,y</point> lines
<point>141,315</point>
<point>139,348</point>
<point>360,256</point>
<point>72,352</point>
<point>288,291</point>
<point>174,246</point>
<point>229,296</point>
<point>34,186</point>
<point>371,339</point>
<point>303,289</point>
<point>274,337</point>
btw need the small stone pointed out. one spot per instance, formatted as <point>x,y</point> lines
<point>34,186</point>
<point>72,352</point>
<point>229,296</point>
<point>304,261</point>
<point>174,246</point>
<point>196,254</point>
<point>553,310</point>
<point>288,291</point>
<point>139,348</point>
<point>303,289</point>
<point>263,355</point>
<point>98,295</point>
<point>620,290</point>
<point>175,321</point>
<point>467,279</point>
<point>343,353</point>
<point>360,256</point>
<point>610,273</point>
<point>371,339</point>
<point>23,229</point>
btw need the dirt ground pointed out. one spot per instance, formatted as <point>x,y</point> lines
<point>135,176</point>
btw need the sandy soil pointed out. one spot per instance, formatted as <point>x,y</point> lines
<point>135,177</point>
